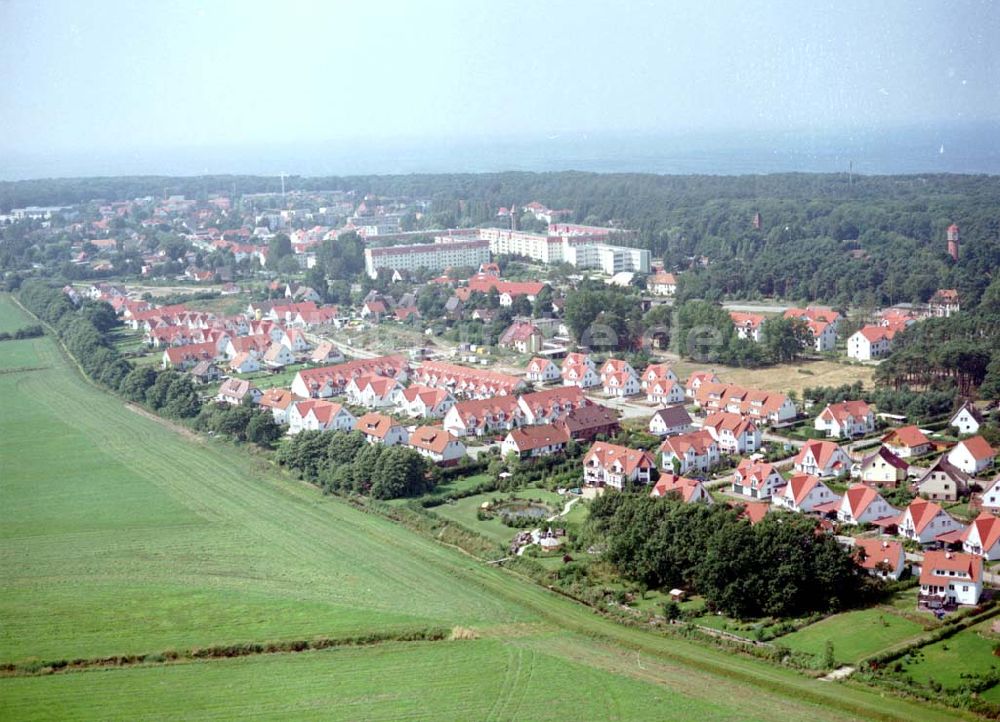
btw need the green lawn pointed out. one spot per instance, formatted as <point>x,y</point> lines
<point>118,534</point>
<point>464,511</point>
<point>452,486</point>
<point>11,317</point>
<point>21,354</point>
<point>945,661</point>
<point>854,634</point>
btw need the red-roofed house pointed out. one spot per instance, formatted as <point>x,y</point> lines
<point>546,406</point>
<point>748,325</point>
<point>579,370</point>
<point>479,417</point>
<point>664,391</point>
<point>696,379</point>
<point>326,381</point>
<point>870,342</point>
<point>972,455</point>
<point>822,458</point>
<point>982,537</point>
<point>373,392</point>
<point>381,429</point>
<point>523,337</point>
<point>861,504</point>
<point>944,303</point>
<point>615,466</point>
<point>950,578</point>
<point>822,324</point>
<point>531,441</point>
<point>542,370</point>
<point>319,415</point>
<point>656,372</point>
<point>880,557</point>
<point>693,451</point>
<point>424,402</point>
<point>925,520</point>
<point>184,357</point>
<point>278,401</point>
<point>436,444</point>
<point>734,434</point>
<point>234,391</point>
<point>803,493</point>
<point>588,422</point>
<point>662,284</point>
<point>689,490</point>
<point>907,441</point>
<point>883,468</point>
<point>846,419</point>
<point>756,479</point>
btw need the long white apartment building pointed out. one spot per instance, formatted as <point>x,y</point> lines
<point>579,249</point>
<point>436,256</point>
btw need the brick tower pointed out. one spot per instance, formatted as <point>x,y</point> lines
<point>953,241</point>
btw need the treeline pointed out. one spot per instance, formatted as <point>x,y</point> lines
<point>779,567</point>
<point>33,331</point>
<point>962,351</point>
<point>915,405</point>
<point>870,240</point>
<point>345,463</point>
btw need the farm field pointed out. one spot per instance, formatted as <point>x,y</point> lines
<point>120,535</point>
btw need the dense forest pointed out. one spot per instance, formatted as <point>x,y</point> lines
<point>866,240</point>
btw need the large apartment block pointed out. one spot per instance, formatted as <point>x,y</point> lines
<point>431,256</point>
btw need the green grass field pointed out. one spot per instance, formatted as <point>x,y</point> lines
<point>120,534</point>
<point>946,661</point>
<point>854,634</point>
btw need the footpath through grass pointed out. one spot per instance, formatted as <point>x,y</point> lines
<point>120,535</point>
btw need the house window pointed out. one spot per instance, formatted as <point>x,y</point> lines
<point>965,589</point>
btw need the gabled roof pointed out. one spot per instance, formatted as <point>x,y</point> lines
<point>277,398</point>
<point>754,473</point>
<point>746,320</point>
<point>978,448</point>
<point>800,485</point>
<point>672,482</point>
<point>734,423</point>
<point>630,459</point>
<point>906,436</point>
<point>971,409</point>
<point>528,438</point>
<point>585,418</point>
<point>428,395</point>
<point>859,497</point>
<point>886,455</point>
<point>538,364</point>
<point>697,442</point>
<point>674,416</point>
<point>236,388</point>
<point>988,528</point>
<point>840,412</point>
<point>943,466</point>
<point>822,451</point>
<point>921,511</point>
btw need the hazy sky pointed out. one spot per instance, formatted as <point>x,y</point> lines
<point>97,74</point>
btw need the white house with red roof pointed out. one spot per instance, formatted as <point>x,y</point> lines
<point>803,493</point>
<point>944,303</point>
<point>756,479</point>
<point>950,578</point>
<point>530,441</point>
<point>982,537</point>
<point>543,407</point>
<point>822,324</point>
<point>523,337</point>
<point>373,392</point>
<point>767,407</point>
<point>236,391</point>
<point>664,391</point>
<point>881,558</point>
<point>479,417</point>
<point>923,521</point>
<point>615,466</point>
<point>542,370</point>
<point>907,441</point>
<point>467,382</point>
<point>822,458</point>
<point>662,284</point>
<point>846,419</point>
<point>689,490</point>
<point>294,340</point>
<point>326,353</point>
<point>693,451</point>
<point>381,429</point>
<point>870,342</point>
<point>748,325</point>
<point>882,468</point>
<point>991,495</point>
<point>862,504</point>
<point>579,370</point>
<point>325,381</point>
<point>734,434</point>
<point>972,455</point>
<point>278,401</point>
<point>619,384</point>
<point>244,363</point>
<point>436,444</point>
<point>696,379</point>
<point>319,415</point>
<point>277,356</point>
<point>656,372</point>
<point>424,402</point>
